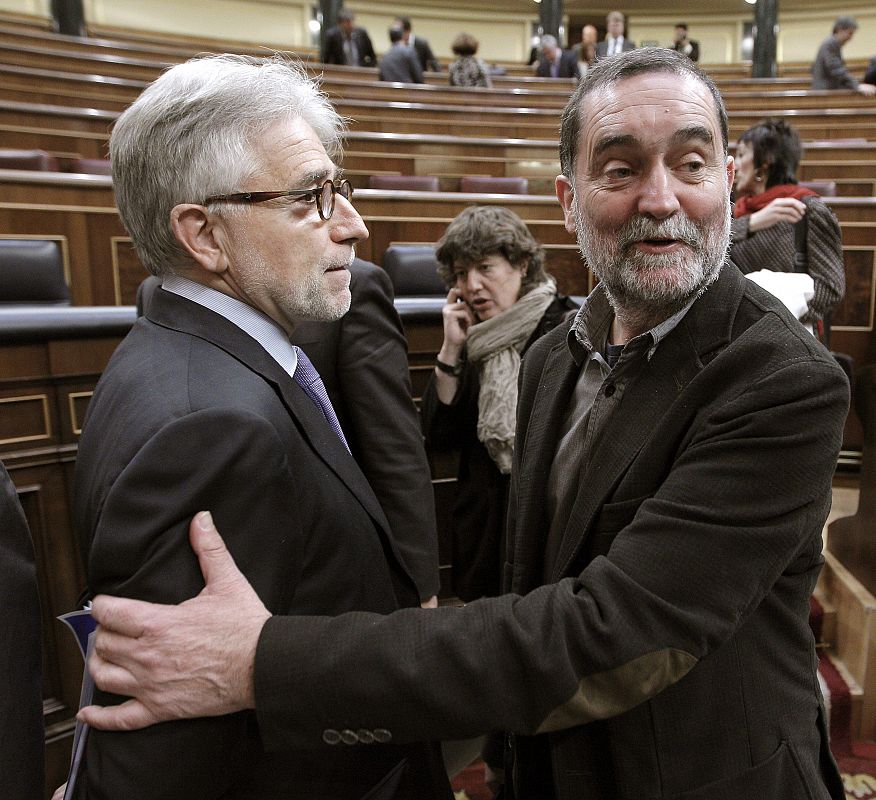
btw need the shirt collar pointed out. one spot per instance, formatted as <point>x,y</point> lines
<point>590,327</point>
<point>250,320</point>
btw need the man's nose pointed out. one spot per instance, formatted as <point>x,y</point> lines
<point>658,198</point>
<point>347,225</point>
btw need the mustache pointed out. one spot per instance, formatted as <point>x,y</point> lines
<point>676,227</point>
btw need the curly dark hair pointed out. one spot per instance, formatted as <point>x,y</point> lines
<point>775,147</point>
<point>482,231</point>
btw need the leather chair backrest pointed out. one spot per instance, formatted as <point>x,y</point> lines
<point>413,270</point>
<point>493,185</point>
<point>91,166</point>
<point>38,160</point>
<point>32,271</point>
<point>824,188</point>
<point>412,183</point>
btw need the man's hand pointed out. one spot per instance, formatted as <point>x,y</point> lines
<point>867,89</point>
<point>782,209</point>
<point>175,662</point>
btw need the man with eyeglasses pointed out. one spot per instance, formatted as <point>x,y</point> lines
<point>226,179</point>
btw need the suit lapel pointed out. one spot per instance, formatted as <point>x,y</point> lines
<point>555,383</point>
<point>171,311</point>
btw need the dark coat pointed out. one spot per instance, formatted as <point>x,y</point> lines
<point>602,48</point>
<point>668,652</point>
<point>568,66</point>
<point>829,70</point>
<point>191,413</point>
<point>333,50</point>
<point>363,361</point>
<point>425,55</point>
<point>21,663</point>
<point>478,517</point>
<point>682,47</point>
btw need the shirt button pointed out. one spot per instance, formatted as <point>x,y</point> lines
<point>381,735</point>
<point>609,390</point>
<point>331,736</point>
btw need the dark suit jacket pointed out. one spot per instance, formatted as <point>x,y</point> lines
<point>681,47</point>
<point>21,662</point>
<point>602,48</point>
<point>667,653</point>
<point>362,359</point>
<point>425,54</point>
<point>192,413</point>
<point>829,70</point>
<point>568,66</point>
<point>333,51</point>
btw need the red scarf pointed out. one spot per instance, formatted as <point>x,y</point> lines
<point>755,202</point>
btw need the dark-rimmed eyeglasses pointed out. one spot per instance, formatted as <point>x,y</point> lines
<point>324,196</point>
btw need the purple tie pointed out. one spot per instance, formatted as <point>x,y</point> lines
<point>308,379</point>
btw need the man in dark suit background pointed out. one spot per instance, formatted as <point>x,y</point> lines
<point>615,42</point>
<point>420,45</point>
<point>672,473</point>
<point>681,44</point>
<point>347,44</point>
<point>829,70</point>
<point>225,180</point>
<point>400,62</point>
<point>22,743</point>
<point>556,62</point>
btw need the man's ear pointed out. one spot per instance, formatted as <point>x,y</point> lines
<point>195,229</point>
<point>731,172</point>
<point>566,196</point>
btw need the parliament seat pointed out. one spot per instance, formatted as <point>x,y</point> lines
<point>408,183</point>
<point>823,188</point>
<point>32,272</point>
<point>489,184</point>
<point>38,160</point>
<point>91,166</point>
<point>413,270</point>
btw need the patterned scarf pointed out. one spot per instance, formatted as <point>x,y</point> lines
<point>494,346</point>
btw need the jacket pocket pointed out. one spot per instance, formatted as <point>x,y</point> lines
<point>777,778</point>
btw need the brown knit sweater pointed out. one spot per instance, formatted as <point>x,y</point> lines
<point>773,248</point>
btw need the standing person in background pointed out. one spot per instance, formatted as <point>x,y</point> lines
<point>421,46</point>
<point>829,70</point>
<point>347,44</point>
<point>556,62</point>
<point>400,62</point>
<point>500,301</point>
<point>468,70</point>
<point>22,742</point>
<point>681,44</point>
<point>771,205</point>
<point>585,50</point>
<point>615,42</point>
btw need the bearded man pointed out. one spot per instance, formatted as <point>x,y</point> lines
<point>672,472</point>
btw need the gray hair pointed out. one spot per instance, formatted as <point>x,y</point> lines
<point>845,24</point>
<point>615,15</point>
<point>610,71</point>
<point>548,40</point>
<point>194,133</point>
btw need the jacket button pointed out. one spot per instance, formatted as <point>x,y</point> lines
<point>366,737</point>
<point>331,736</point>
<point>609,390</point>
<point>349,737</point>
<point>382,735</point>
